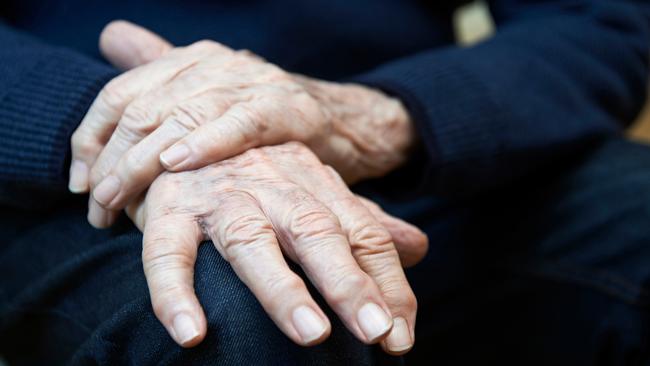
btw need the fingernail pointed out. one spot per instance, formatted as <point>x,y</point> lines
<point>309,325</point>
<point>373,321</point>
<point>174,155</point>
<point>185,329</point>
<point>399,338</point>
<point>78,177</point>
<point>107,190</point>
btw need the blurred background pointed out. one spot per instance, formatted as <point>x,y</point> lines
<point>473,23</point>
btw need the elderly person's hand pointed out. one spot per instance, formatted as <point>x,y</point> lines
<point>200,104</point>
<point>259,205</point>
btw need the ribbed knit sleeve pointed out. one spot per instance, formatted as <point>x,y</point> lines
<point>44,93</point>
<point>552,79</point>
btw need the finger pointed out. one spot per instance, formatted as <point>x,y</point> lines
<point>97,126</point>
<point>102,117</point>
<point>140,118</point>
<point>241,127</point>
<point>136,211</point>
<point>312,236</point>
<point>127,45</point>
<point>232,133</point>
<point>245,238</point>
<point>372,247</point>
<point>411,243</point>
<point>99,217</point>
<point>169,253</point>
<point>137,163</point>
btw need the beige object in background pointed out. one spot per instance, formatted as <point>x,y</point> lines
<point>473,23</point>
<point>640,131</point>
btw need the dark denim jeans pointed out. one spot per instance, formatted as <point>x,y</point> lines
<point>554,270</point>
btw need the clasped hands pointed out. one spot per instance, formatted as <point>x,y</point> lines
<point>205,142</point>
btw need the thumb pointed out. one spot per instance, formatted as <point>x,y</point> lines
<point>126,45</point>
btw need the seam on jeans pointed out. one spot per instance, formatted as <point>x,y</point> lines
<point>603,281</point>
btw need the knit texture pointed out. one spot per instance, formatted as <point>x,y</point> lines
<point>552,79</point>
<point>40,112</point>
<point>542,89</point>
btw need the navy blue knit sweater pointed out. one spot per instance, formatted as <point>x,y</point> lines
<point>556,75</point>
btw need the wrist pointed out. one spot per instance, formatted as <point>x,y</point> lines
<point>377,126</point>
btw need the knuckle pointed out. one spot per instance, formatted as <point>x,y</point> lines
<point>370,204</point>
<point>204,44</point>
<point>401,298</point>
<point>258,157</point>
<point>283,284</point>
<point>298,152</point>
<point>410,302</point>
<point>250,55</point>
<point>245,233</point>
<point>160,257</point>
<point>256,154</point>
<point>309,220</point>
<point>124,134</point>
<point>251,123</point>
<point>258,121</point>
<point>257,128</point>
<point>273,289</point>
<point>297,147</point>
<point>345,285</point>
<point>96,175</point>
<point>133,165</point>
<point>209,45</point>
<point>310,112</point>
<point>82,145</point>
<point>78,140</point>
<point>189,117</point>
<point>112,95</point>
<point>370,239</point>
<point>275,74</point>
<point>139,119</point>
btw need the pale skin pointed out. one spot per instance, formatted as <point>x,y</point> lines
<point>204,112</point>
<point>262,204</point>
<point>200,104</point>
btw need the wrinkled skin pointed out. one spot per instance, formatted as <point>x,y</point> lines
<point>183,108</point>
<point>262,204</point>
<point>257,204</point>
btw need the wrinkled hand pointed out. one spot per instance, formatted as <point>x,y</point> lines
<point>191,106</point>
<point>265,202</point>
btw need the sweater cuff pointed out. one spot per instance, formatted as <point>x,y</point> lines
<point>40,112</point>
